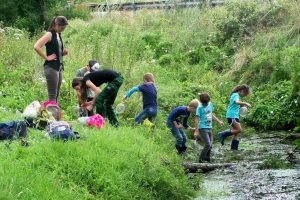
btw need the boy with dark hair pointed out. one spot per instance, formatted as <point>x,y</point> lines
<point>203,124</point>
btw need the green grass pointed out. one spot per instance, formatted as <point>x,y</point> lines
<point>188,51</point>
<point>107,163</point>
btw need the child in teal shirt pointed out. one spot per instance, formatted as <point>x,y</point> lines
<point>204,117</point>
<point>232,115</point>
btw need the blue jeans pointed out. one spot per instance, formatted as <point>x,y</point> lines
<point>149,113</point>
<point>178,134</point>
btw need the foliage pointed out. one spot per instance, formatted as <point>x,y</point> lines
<point>70,12</point>
<point>274,163</point>
<point>273,108</point>
<point>32,15</point>
<point>127,163</point>
<point>188,52</point>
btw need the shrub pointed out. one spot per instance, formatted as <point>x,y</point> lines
<point>166,60</point>
<point>273,107</point>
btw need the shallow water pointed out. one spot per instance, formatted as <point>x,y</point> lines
<point>246,180</point>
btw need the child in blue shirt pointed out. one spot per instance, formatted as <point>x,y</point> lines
<point>232,115</point>
<point>149,93</point>
<point>203,122</point>
<point>176,126</point>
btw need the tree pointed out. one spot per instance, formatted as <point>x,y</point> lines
<point>28,14</point>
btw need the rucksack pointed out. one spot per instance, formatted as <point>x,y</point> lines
<point>13,130</point>
<point>49,112</point>
<point>60,130</point>
<point>53,108</point>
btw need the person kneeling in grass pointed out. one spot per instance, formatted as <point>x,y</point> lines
<point>204,117</point>
<point>149,93</point>
<point>176,126</point>
<point>104,99</point>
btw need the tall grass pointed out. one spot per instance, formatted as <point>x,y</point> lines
<point>188,51</point>
<point>127,163</point>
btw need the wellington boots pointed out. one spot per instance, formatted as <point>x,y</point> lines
<point>235,144</point>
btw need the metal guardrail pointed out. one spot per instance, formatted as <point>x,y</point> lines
<point>150,5</point>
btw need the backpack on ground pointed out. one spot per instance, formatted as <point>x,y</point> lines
<point>60,130</point>
<point>53,108</point>
<point>13,130</point>
<point>49,112</point>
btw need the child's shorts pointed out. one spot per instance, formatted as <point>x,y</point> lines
<point>232,120</point>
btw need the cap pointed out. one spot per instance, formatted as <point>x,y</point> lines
<point>95,67</point>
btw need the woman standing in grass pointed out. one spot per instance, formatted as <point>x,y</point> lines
<point>232,115</point>
<point>149,92</point>
<point>53,66</point>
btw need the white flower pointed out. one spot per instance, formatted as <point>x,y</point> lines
<point>272,112</point>
<point>63,81</point>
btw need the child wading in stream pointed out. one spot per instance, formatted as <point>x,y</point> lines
<point>232,115</point>
<point>176,126</point>
<point>204,117</point>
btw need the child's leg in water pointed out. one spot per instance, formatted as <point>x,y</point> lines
<point>236,130</point>
<point>207,138</point>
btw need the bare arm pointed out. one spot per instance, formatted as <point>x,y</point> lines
<point>217,120</point>
<point>241,103</point>
<point>196,133</point>
<point>95,89</point>
<point>42,42</point>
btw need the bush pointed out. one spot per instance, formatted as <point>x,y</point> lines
<point>80,11</point>
<point>166,60</point>
<point>273,107</point>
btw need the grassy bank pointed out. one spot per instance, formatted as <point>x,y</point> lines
<point>188,51</point>
<point>125,163</point>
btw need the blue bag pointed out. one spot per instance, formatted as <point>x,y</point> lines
<point>60,130</point>
<point>13,130</point>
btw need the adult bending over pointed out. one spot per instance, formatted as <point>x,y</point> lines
<point>103,99</point>
<point>53,66</point>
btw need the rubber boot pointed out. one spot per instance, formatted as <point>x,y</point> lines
<point>235,144</point>
<point>179,149</point>
<point>208,156</point>
<point>183,148</point>
<point>224,135</point>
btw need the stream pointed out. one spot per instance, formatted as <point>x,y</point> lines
<point>264,170</point>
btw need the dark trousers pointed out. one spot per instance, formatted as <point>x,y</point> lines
<point>206,135</point>
<point>54,79</point>
<point>106,99</point>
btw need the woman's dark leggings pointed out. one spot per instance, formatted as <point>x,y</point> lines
<point>54,79</point>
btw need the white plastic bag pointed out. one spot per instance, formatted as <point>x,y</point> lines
<point>32,109</point>
<point>120,108</point>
